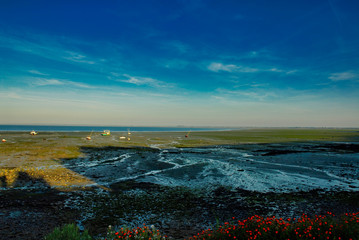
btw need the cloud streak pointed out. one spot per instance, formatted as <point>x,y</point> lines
<point>344,76</point>
<point>250,95</point>
<point>59,82</point>
<point>46,47</point>
<point>78,58</point>
<point>36,72</point>
<point>232,68</point>
<point>217,67</point>
<point>145,81</point>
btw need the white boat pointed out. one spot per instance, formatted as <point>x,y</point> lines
<point>89,137</point>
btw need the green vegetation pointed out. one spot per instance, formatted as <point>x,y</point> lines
<point>256,227</point>
<point>68,232</point>
<point>281,135</point>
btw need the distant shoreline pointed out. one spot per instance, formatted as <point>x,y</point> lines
<point>80,128</point>
<point>58,128</point>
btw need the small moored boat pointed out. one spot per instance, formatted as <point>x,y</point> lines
<point>89,137</point>
<point>106,133</point>
<point>33,132</point>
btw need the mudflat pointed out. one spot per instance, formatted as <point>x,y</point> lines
<point>59,177</point>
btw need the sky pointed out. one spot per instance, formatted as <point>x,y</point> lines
<point>220,63</point>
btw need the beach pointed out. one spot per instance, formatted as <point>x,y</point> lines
<point>54,178</point>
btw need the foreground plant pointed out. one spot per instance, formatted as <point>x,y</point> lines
<point>256,227</point>
<point>345,227</point>
<point>68,232</point>
<point>136,233</point>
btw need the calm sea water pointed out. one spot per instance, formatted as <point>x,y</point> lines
<point>100,128</point>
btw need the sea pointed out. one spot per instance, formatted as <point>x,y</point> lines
<point>58,128</point>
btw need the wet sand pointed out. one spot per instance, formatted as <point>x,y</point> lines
<point>45,155</point>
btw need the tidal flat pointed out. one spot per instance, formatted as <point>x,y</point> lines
<point>180,184</point>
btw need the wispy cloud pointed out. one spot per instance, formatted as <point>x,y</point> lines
<point>250,94</point>
<point>58,82</point>
<point>40,97</point>
<point>45,46</point>
<point>79,58</point>
<point>10,95</point>
<point>252,85</point>
<point>343,76</point>
<point>36,72</point>
<point>141,81</point>
<point>47,82</point>
<point>217,67</point>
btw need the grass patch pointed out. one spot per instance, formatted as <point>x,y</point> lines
<point>281,135</point>
<point>68,232</point>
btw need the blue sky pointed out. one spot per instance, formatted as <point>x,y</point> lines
<point>190,62</point>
